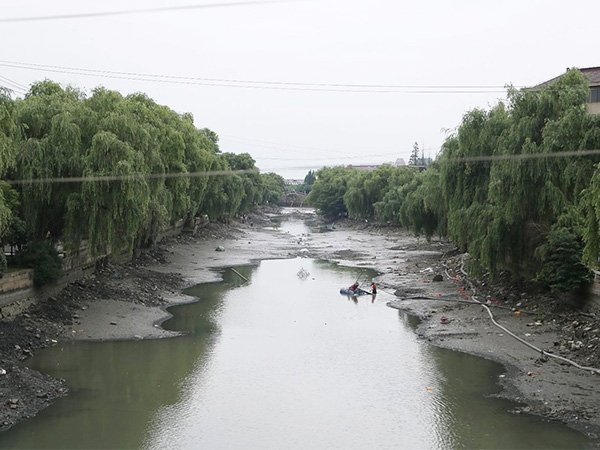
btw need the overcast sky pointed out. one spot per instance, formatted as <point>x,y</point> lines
<point>303,84</point>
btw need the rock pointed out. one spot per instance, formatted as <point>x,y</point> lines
<point>220,248</point>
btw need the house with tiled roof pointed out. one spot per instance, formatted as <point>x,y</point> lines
<point>593,75</point>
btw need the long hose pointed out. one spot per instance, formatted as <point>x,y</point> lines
<point>523,341</point>
<point>474,301</point>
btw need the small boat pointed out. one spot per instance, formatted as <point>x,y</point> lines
<point>346,291</point>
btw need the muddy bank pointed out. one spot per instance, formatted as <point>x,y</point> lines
<point>130,301</point>
<point>543,385</point>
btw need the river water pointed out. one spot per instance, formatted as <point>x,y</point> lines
<point>281,362</point>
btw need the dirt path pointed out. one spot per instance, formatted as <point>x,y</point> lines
<point>128,302</point>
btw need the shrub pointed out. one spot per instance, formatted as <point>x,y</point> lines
<point>44,259</point>
<point>561,259</point>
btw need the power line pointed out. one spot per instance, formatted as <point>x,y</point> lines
<point>256,84</point>
<point>9,89</point>
<point>140,11</point>
<point>276,85</point>
<point>13,85</point>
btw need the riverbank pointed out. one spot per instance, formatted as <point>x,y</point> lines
<point>129,302</point>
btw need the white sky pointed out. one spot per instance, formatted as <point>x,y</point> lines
<point>429,43</point>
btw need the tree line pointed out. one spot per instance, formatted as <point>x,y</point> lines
<point>516,186</point>
<point>112,170</point>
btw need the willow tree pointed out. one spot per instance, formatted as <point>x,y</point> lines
<point>126,118</point>
<point>274,188</point>
<point>507,183</point>
<point>8,196</point>
<point>200,153</point>
<point>327,193</point>
<point>465,173</point>
<point>252,189</point>
<point>51,149</point>
<point>215,200</point>
<point>366,189</point>
<point>114,202</point>
<point>590,202</point>
<point>387,209</point>
<point>164,127</point>
<point>423,208</point>
<point>540,188</point>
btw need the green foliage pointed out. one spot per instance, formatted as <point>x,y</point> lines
<point>423,207</point>
<point>327,194</point>
<point>133,157</point>
<point>365,189</point>
<point>414,159</point>
<point>506,187</point>
<point>310,178</point>
<point>505,190</point>
<point>501,188</point>
<point>561,260</point>
<point>15,234</point>
<point>115,209</point>
<point>274,188</point>
<point>44,259</point>
<point>9,135</point>
<point>387,208</point>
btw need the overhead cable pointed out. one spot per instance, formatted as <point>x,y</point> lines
<point>139,11</point>
<point>256,84</point>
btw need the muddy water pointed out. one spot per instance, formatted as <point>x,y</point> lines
<point>280,362</point>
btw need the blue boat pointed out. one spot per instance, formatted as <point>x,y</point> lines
<point>346,291</point>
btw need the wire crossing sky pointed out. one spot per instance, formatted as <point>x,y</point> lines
<point>307,83</point>
<point>139,11</point>
<point>253,84</point>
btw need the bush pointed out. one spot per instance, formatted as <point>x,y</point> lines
<point>562,263</point>
<point>44,259</point>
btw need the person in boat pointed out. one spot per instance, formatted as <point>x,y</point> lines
<point>373,288</point>
<point>354,287</point>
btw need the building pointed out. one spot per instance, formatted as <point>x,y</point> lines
<point>364,167</point>
<point>593,75</point>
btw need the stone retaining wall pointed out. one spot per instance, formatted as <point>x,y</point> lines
<point>17,291</point>
<point>13,281</point>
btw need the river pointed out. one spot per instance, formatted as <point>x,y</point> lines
<point>280,362</point>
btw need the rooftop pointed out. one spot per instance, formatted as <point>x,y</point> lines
<point>593,73</point>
